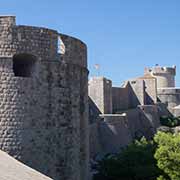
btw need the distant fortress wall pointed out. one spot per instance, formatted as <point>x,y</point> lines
<point>136,108</point>
<point>170,97</point>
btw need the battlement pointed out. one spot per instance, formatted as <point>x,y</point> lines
<point>157,70</point>
<point>7,20</point>
<point>168,91</point>
<point>43,43</point>
<point>165,75</point>
<point>99,79</point>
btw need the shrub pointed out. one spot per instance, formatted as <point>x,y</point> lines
<point>170,121</point>
<point>136,162</point>
<point>144,160</point>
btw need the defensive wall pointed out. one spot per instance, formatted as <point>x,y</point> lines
<point>170,97</point>
<point>44,100</point>
<point>134,113</point>
<point>112,132</point>
<point>134,92</point>
<point>134,108</point>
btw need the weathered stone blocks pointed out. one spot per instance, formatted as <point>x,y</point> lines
<point>44,116</point>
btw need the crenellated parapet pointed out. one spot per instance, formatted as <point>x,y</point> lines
<point>75,50</point>
<point>165,75</point>
<point>45,44</point>
<point>157,70</point>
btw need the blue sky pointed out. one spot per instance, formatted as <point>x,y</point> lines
<point>123,36</point>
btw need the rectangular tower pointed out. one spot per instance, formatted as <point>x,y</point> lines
<point>100,91</point>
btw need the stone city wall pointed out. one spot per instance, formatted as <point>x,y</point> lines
<point>169,96</point>
<point>44,113</point>
<point>115,131</point>
<point>120,98</point>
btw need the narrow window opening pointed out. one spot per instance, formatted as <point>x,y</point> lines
<point>23,65</point>
<point>61,46</point>
<point>133,82</point>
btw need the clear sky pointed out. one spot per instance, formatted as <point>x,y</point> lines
<point>123,36</point>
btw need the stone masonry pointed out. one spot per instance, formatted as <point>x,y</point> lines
<point>100,91</point>
<point>134,109</point>
<point>44,100</point>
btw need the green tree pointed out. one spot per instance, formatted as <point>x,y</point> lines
<point>136,162</point>
<point>168,154</point>
<point>162,178</point>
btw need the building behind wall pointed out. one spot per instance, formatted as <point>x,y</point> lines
<point>44,100</point>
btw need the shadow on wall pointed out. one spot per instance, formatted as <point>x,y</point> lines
<point>115,131</point>
<point>93,111</point>
<point>163,109</point>
<point>148,99</point>
<point>133,99</point>
<point>114,135</point>
<point>150,120</point>
<point>143,121</point>
<point>124,98</point>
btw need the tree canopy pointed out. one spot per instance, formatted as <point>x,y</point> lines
<point>144,160</point>
<point>136,162</point>
<point>168,154</point>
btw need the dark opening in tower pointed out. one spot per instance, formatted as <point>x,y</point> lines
<point>23,65</point>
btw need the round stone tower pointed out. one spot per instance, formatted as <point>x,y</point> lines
<point>165,75</point>
<point>44,100</point>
